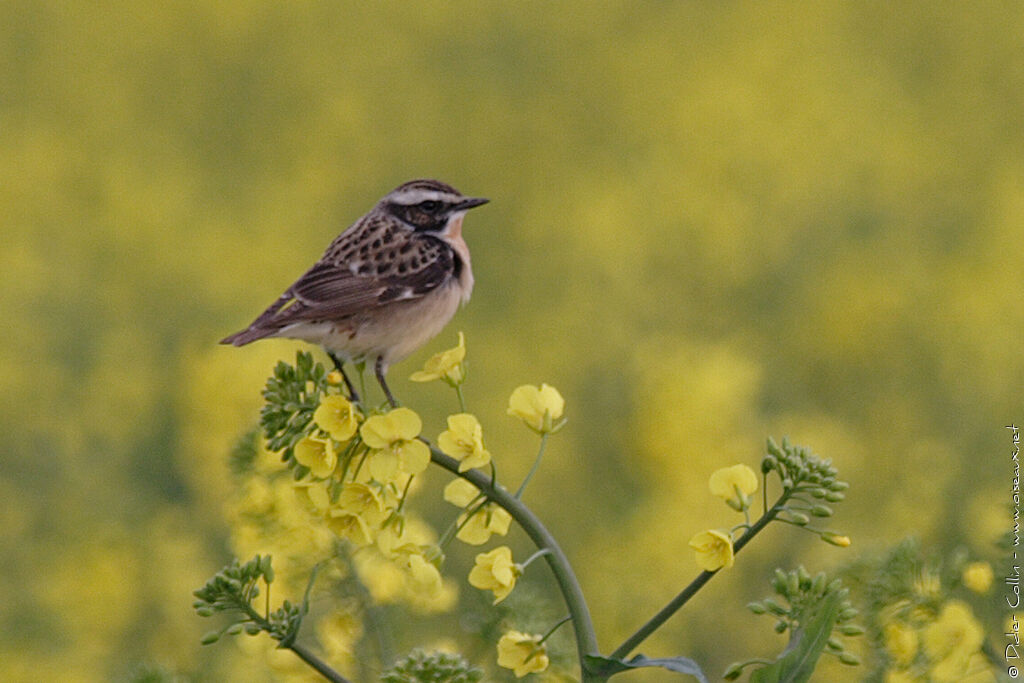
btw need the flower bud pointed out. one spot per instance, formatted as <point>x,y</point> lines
<point>835,539</point>
<point>799,518</point>
<point>733,672</point>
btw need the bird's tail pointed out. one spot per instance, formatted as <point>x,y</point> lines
<point>249,334</point>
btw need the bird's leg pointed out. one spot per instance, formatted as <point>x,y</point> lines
<point>379,370</point>
<point>339,366</point>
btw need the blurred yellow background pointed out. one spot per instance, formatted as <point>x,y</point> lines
<point>710,223</point>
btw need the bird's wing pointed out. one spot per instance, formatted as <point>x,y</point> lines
<point>361,270</point>
<point>338,289</point>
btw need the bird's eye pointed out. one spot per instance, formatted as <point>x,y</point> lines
<point>430,205</point>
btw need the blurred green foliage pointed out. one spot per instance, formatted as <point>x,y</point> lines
<point>709,222</point>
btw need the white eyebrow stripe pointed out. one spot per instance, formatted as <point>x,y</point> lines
<point>410,197</point>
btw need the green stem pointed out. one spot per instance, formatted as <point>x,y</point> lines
<point>462,399</point>
<point>540,553</point>
<point>551,631</point>
<point>317,663</point>
<point>304,654</point>
<point>536,464</point>
<point>677,602</point>
<point>455,527</point>
<point>583,627</point>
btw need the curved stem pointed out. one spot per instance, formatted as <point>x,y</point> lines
<point>684,596</point>
<point>536,464</point>
<point>583,627</point>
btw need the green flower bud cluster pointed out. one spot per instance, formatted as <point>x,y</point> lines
<point>291,396</point>
<point>800,469</point>
<point>804,593</point>
<point>233,589</point>
<point>816,611</point>
<point>811,485</point>
<point>435,667</point>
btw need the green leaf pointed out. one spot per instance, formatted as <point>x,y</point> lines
<point>797,662</point>
<point>609,666</point>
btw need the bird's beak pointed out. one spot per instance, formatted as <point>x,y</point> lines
<point>470,202</point>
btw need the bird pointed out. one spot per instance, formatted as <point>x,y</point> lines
<point>384,287</point>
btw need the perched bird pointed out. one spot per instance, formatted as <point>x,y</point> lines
<point>384,287</point>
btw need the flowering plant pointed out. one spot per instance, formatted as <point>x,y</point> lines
<point>334,490</point>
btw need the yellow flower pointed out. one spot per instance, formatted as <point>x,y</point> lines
<point>350,527</point>
<point>978,576</point>
<point>464,441</point>
<point>460,492</point>
<point>734,485</point>
<point>363,500</point>
<point>538,408</point>
<point>951,640</point>
<point>714,549</point>
<point>490,519</point>
<point>396,448</point>
<point>318,455</point>
<point>522,653</point>
<point>383,578</point>
<point>835,539</point>
<point>495,571</point>
<point>317,494</point>
<point>339,632</point>
<point>447,365</point>
<point>901,642</point>
<point>423,576</point>
<point>400,424</point>
<point>337,416</point>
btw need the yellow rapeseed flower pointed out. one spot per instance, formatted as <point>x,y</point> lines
<point>392,436</point>
<point>495,571</point>
<point>539,408</point>
<point>318,455</point>
<point>350,527</point>
<point>464,441</point>
<point>713,549</point>
<point>363,500</point>
<point>490,519</point>
<point>337,416</point>
<point>460,492</point>
<point>424,577</point>
<point>316,491</point>
<point>951,640</point>
<point>522,653</point>
<point>447,365</point>
<point>734,485</point>
<point>901,642</point>
<point>978,576</point>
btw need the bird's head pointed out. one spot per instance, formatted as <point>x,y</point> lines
<point>429,206</point>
